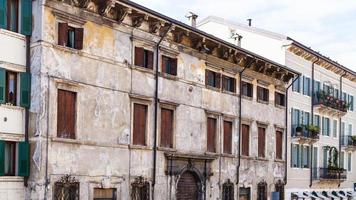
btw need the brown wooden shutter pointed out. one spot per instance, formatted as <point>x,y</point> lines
<point>266,94</point>
<point>233,85</point>
<point>139,126</point>
<point>227,137</point>
<point>217,80</point>
<point>139,52</point>
<point>259,93</point>
<point>166,128</point>
<point>224,82</point>
<point>66,109</point>
<point>207,77</point>
<point>149,59</point>
<point>279,139</point>
<point>79,34</point>
<point>62,33</point>
<point>261,142</point>
<point>245,140</point>
<point>211,134</point>
<point>174,66</point>
<point>164,64</point>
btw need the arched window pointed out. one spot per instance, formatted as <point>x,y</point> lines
<point>262,190</point>
<point>279,187</point>
<point>228,190</point>
<point>140,189</point>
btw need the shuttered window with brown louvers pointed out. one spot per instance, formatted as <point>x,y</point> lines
<point>139,124</point>
<point>139,57</point>
<point>245,140</point>
<point>211,134</point>
<point>66,114</point>
<point>62,34</point>
<point>143,58</point>
<point>65,38</point>
<point>166,128</point>
<point>227,137</point>
<point>261,142</point>
<point>279,146</point>
<point>247,89</point>
<point>149,59</point>
<point>279,99</point>
<point>79,33</point>
<point>262,94</point>
<point>169,65</point>
<point>229,84</point>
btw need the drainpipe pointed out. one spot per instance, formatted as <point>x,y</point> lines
<point>27,112</point>
<point>286,133</point>
<point>155,113</point>
<point>312,121</point>
<point>340,129</point>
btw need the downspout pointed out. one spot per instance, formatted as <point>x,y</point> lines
<point>312,121</point>
<point>340,129</point>
<point>27,112</point>
<point>156,112</point>
<point>286,134</point>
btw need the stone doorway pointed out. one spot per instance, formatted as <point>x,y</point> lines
<point>188,188</point>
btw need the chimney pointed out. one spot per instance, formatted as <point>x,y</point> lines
<point>192,17</point>
<point>249,22</point>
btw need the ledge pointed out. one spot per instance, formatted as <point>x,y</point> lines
<point>142,69</point>
<point>168,76</point>
<point>165,149</point>
<point>11,179</point>
<point>139,147</point>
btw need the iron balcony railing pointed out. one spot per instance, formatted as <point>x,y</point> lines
<point>348,141</point>
<point>301,131</point>
<point>323,173</point>
<point>328,100</point>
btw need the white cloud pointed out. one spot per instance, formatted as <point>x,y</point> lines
<point>327,26</point>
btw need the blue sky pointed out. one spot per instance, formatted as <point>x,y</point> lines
<point>328,26</point>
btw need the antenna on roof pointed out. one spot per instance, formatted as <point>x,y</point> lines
<point>192,17</point>
<point>249,22</point>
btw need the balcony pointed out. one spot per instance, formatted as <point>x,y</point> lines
<point>328,104</point>
<point>305,134</point>
<point>17,53</point>
<point>348,142</point>
<point>329,174</point>
<point>12,120</point>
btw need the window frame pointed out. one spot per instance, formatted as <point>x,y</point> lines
<point>261,98</point>
<point>17,14</point>
<point>147,106</point>
<point>16,82</point>
<point>64,40</point>
<point>231,83</point>
<point>247,84</point>
<point>171,107</point>
<point>264,127</point>
<point>216,139</point>
<point>231,122</point>
<point>145,60</point>
<point>14,158</point>
<point>172,60</point>
<point>249,139</point>
<point>277,95</point>
<point>75,113</point>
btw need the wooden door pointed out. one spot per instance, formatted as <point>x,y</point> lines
<point>187,188</point>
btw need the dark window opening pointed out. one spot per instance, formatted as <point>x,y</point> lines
<point>10,158</point>
<point>244,193</point>
<point>169,65</point>
<point>262,94</point>
<point>11,87</point>
<point>139,124</point>
<point>262,191</point>
<point>280,99</point>
<point>279,187</point>
<point>279,144</point>
<point>247,89</point>
<point>143,58</point>
<point>212,79</point>
<point>167,116</point>
<point>229,84</point>
<point>70,36</point>
<point>66,114</point>
<point>104,194</point>
<point>228,191</point>
<point>66,189</point>
<point>13,15</point>
<point>140,189</point>
<point>211,134</point>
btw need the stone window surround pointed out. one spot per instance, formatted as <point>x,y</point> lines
<point>171,106</point>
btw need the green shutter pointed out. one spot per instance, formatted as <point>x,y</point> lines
<point>2,158</point>
<point>25,89</point>
<point>24,159</point>
<point>3,19</point>
<point>2,84</point>
<point>26,17</point>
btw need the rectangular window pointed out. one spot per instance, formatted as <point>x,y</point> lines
<point>296,85</point>
<point>11,87</point>
<point>14,158</point>
<point>325,157</point>
<point>167,117</point>
<point>316,87</point>
<point>279,144</point>
<point>245,140</point>
<point>227,137</point>
<point>317,120</point>
<point>139,124</point>
<point>69,36</point>
<point>229,84</point>
<point>295,156</point>
<point>10,158</point>
<point>343,126</point>
<point>350,129</point>
<point>169,65</point>
<point>351,102</point>
<point>306,118</point>
<point>326,126</point>
<point>349,162</point>
<point>143,58</point>
<point>262,94</point>
<point>334,128</point>
<point>305,156</point>
<point>66,114</point>
<point>295,120</point>
<point>12,15</point>
<point>280,99</point>
<point>306,88</point>
<point>342,160</point>
<point>247,89</point>
<point>261,142</point>
<point>211,134</point>
<point>212,79</point>
<point>104,194</point>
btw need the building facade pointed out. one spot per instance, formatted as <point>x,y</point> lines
<point>321,116</point>
<point>129,104</point>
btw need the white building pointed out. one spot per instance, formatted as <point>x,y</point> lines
<point>328,84</point>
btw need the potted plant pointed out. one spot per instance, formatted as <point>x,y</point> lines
<point>313,130</point>
<point>353,140</point>
<point>299,131</point>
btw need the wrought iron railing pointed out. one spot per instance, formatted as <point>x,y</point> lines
<point>328,100</point>
<point>301,131</point>
<point>348,141</point>
<point>329,173</point>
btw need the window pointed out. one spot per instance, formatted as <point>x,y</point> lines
<point>279,187</point>
<point>69,36</point>
<point>306,118</point>
<point>139,124</point>
<point>326,126</point>
<point>167,117</point>
<point>143,58</point>
<point>351,102</point>
<point>212,79</point>
<point>104,194</point>
<point>335,128</point>
<point>140,189</point>
<point>10,92</point>
<point>11,87</point>
<point>228,191</point>
<point>317,120</point>
<point>169,65</point>
<point>244,193</point>
<point>350,129</point>
<point>280,99</point>
<point>10,158</point>
<point>296,121</point>
<point>262,94</point>
<point>247,89</point>
<point>12,15</point>
<point>342,160</point>
<point>261,142</point>
<point>316,86</point>
<point>349,162</point>
<point>66,114</point>
<point>229,84</point>
<point>306,88</point>
<point>343,126</point>
<point>262,191</point>
<point>295,156</point>
<point>296,85</point>
<point>279,144</point>
<point>211,134</point>
<point>227,137</point>
<point>305,156</point>
<point>245,140</point>
<point>12,12</point>
<point>67,188</point>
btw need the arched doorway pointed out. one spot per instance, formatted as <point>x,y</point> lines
<point>188,188</point>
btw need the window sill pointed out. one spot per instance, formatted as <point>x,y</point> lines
<point>68,49</point>
<point>247,157</point>
<point>10,106</point>
<point>280,106</point>
<point>165,149</point>
<point>65,140</point>
<point>263,102</point>
<point>169,76</point>
<point>279,160</point>
<point>227,155</point>
<point>211,153</point>
<point>247,97</point>
<point>142,69</point>
<point>261,159</point>
<point>11,179</point>
<point>212,88</point>
<point>131,146</point>
<point>229,92</point>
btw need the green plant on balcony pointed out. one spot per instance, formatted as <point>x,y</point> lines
<point>353,140</point>
<point>313,130</point>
